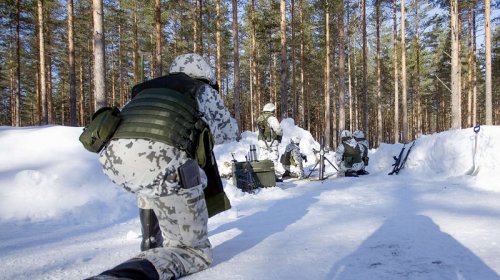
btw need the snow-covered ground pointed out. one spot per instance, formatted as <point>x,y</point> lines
<point>61,218</point>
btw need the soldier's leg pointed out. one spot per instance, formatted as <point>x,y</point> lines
<point>150,228</point>
<point>183,219</point>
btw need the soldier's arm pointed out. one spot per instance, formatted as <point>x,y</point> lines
<point>216,115</point>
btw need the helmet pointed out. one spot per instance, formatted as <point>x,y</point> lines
<point>345,134</point>
<point>195,66</point>
<point>295,140</point>
<point>269,107</point>
<point>358,134</point>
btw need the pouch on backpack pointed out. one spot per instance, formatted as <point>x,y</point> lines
<point>97,133</point>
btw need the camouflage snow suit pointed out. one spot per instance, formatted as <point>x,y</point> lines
<point>348,155</point>
<point>293,161</point>
<point>148,168</point>
<point>268,144</point>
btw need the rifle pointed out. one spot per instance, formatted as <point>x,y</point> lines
<point>397,161</point>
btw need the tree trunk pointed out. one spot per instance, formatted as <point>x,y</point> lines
<point>294,91</point>
<point>341,67</point>
<point>71,62</point>
<point>404,100</point>
<point>158,53</point>
<point>474,62</point>
<point>417,88</point>
<point>99,58</point>
<point>236,58</point>
<point>195,26</point>
<point>253,67</point>
<point>120,67</point>
<point>487,42</point>
<point>200,15</point>
<point>44,116</point>
<point>17,102</point>
<point>396,76</point>
<point>81,109</point>
<point>219,45</point>
<point>469,64</point>
<point>135,47</point>
<point>365,71</point>
<point>326,119</point>
<point>283,87</point>
<point>379,78</point>
<point>455,67</point>
<point>302,67</point>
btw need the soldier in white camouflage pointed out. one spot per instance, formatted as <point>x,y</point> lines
<point>160,131</point>
<point>348,155</point>
<point>270,134</point>
<point>292,160</point>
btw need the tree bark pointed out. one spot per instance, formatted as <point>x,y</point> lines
<point>487,42</point>
<point>474,62</point>
<point>341,68</point>
<point>283,87</point>
<point>469,64</point>
<point>219,45</point>
<point>253,70</point>
<point>302,67</point>
<point>379,78</point>
<point>404,100</point>
<point>44,114</point>
<point>326,119</point>
<point>17,102</point>
<point>71,64</point>
<point>135,47</point>
<point>236,59</point>
<point>396,75</point>
<point>294,91</point>
<point>158,52</point>
<point>365,71</point>
<point>99,55</point>
<point>456,122</point>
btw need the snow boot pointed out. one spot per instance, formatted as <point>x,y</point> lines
<point>132,269</point>
<point>363,172</point>
<point>351,173</point>
<point>286,175</point>
<point>151,232</point>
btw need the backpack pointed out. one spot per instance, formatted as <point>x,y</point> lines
<point>265,131</point>
<point>99,131</point>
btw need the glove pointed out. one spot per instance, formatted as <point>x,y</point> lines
<point>304,157</point>
<point>279,137</point>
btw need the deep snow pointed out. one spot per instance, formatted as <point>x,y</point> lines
<point>61,218</point>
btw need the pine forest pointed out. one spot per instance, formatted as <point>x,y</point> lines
<point>394,69</point>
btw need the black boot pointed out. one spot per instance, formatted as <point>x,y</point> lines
<point>151,232</point>
<point>351,173</point>
<point>129,270</point>
<point>285,175</point>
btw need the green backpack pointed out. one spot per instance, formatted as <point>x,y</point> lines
<point>103,125</point>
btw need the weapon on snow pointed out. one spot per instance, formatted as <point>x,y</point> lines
<point>321,161</point>
<point>400,161</point>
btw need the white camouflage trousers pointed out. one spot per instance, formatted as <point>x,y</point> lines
<point>149,168</point>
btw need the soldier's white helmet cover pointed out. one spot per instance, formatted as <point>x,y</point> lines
<point>195,66</point>
<point>269,107</point>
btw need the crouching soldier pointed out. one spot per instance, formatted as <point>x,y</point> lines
<point>162,151</point>
<point>348,155</point>
<point>292,160</point>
